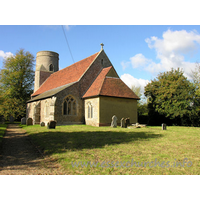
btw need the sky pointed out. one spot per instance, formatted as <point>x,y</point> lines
<point>138,52</point>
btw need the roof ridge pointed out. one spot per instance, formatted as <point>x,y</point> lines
<point>76,63</point>
<point>104,78</point>
<point>92,82</point>
<point>90,64</point>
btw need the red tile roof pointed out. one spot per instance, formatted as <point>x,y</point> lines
<point>109,86</point>
<point>95,88</point>
<point>65,76</point>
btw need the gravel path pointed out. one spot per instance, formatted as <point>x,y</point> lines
<point>19,157</point>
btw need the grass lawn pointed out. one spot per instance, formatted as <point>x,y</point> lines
<point>2,131</point>
<point>146,150</point>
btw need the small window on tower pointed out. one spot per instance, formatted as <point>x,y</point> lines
<point>51,67</point>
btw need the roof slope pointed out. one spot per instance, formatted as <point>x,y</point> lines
<point>49,93</point>
<point>67,75</point>
<point>109,86</point>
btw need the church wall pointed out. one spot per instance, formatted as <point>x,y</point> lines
<point>45,111</point>
<point>120,107</point>
<point>29,110</point>
<point>92,119</point>
<point>59,114</point>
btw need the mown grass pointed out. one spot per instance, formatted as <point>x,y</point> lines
<point>2,131</point>
<point>82,143</point>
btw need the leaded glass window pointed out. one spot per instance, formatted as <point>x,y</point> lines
<point>69,106</point>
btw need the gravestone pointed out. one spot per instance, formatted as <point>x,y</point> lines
<point>42,124</point>
<point>122,123</point>
<point>114,121</point>
<point>29,121</point>
<point>125,123</point>
<point>128,121</point>
<point>51,124</point>
<point>23,121</point>
<point>164,126</point>
<point>11,119</point>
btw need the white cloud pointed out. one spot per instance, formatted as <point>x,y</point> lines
<point>139,61</point>
<point>170,50</point>
<point>132,81</point>
<point>136,61</point>
<point>125,64</point>
<point>5,55</point>
<point>174,43</point>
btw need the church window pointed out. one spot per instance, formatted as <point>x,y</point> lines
<point>51,67</point>
<point>69,106</point>
<point>90,110</point>
<point>101,61</point>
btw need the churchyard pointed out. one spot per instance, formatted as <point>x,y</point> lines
<point>83,149</point>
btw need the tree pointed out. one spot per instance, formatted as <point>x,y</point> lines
<point>171,99</point>
<point>141,104</point>
<point>137,90</point>
<point>196,81</point>
<point>196,78</point>
<point>16,83</point>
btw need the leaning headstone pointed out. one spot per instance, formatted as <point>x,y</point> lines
<point>51,124</point>
<point>42,124</point>
<point>164,126</point>
<point>23,121</point>
<point>122,123</point>
<point>114,122</point>
<point>11,119</point>
<point>29,121</point>
<point>126,122</point>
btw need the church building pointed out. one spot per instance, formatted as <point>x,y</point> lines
<point>86,92</point>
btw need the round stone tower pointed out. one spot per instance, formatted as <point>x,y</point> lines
<point>46,64</point>
<point>47,61</point>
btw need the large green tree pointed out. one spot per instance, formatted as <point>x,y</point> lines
<point>16,83</point>
<point>171,99</point>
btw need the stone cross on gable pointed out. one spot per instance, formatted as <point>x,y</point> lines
<point>102,46</point>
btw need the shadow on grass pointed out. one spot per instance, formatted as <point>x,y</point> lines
<point>57,142</point>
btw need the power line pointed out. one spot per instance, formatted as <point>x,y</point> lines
<point>67,43</point>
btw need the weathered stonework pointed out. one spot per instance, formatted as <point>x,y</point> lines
<point>94,120</point>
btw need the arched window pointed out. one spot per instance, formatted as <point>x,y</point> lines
<point>90,110</point>
<point>69,106</point>
<point>51,67</point>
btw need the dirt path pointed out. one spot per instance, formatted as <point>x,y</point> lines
<point>19,157</point>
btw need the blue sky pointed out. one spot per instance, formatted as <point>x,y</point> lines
<point>138,52</point>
